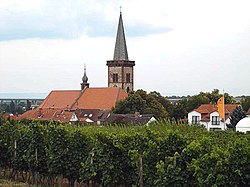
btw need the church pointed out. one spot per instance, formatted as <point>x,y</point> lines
<point>91,104</point>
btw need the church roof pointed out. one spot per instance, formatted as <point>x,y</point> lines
<point>121,52</point>
<point>47,115</point>
<point>60,99</point>
<point>89,98</point>
<point>98,101</point>
<point>99,98</point>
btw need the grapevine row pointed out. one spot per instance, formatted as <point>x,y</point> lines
<point>172,155</point>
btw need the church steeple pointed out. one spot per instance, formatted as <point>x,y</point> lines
<point>121,52</point>
<point>85,78</point>
<point>121,69</point>
<point>84,83</point>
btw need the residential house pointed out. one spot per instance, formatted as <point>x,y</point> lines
<point>135,119</point>
<point>208,116</point>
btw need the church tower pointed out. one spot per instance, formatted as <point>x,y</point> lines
<point>120,69</point>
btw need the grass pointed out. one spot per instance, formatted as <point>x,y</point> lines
<point>7,183</point>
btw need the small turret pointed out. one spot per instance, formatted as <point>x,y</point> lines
<point>84,83</point>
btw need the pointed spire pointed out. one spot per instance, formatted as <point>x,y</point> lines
<point>121,52</point>
<point>85,78</point>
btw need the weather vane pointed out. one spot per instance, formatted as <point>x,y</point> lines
<point>120,9</point>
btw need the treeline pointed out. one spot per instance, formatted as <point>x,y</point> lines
<point>161,107</point>
<point>15,107</point>
<point>161,154</point>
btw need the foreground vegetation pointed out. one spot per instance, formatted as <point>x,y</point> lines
<point>7,183</point>
<point>171,154</point>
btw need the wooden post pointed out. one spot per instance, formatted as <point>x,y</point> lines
<point>15,146</point>
<point>36,174</point>
<point>140,171</point>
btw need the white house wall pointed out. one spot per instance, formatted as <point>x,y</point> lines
<point>193,113</point>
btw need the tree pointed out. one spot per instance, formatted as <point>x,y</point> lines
<point>245,103</point>
<point>213,96</point>
<point>197,100</point>
<point>237,114</point>
<point>133,103</point>
<point>142,102</point>
<point>180,109</point>
<point>12,107</point>
<point>28,106</point>
<point>229,99</point>
<point>164,101</point>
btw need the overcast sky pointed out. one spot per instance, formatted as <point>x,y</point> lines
<point>180,47</point>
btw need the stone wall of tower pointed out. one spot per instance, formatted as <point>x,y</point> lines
<point>130,83</point>
<point>122,77</point>
<point>111,71</point>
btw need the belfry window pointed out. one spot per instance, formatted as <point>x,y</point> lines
<point>115,77</point>
<point>127,77</point>
<point>128,89</point>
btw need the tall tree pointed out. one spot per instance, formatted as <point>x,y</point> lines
<point>142,102</point>
<point>164,101</point>
<point>12,108</point>
<point>237,114</point>
<point>180,109</point>
<point>245,103</point>
<point>28,106</point>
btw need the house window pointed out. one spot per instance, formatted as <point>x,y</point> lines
<point>115,77</point>
<point>127,77</point>
<point>195,119</point>
<point>215,120</point>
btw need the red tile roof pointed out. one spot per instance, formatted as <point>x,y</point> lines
<point>209,108</point>
<point>47,114</point>
<point>99,98</point>
<point>9,116</point>
<point>57,102</point>
<point>206,109</point>
<point>93,114</point>
<point>60,99</point>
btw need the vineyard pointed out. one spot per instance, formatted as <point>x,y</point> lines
<point>161,154</point>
